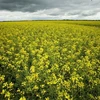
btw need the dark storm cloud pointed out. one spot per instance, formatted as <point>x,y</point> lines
<point>14,5</point>
<point>34,5</point>
<point>25,5</point>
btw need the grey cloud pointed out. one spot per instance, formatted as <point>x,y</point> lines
<point>88,13</point>
<point>79,8</point>
<point>22,5</point>
<point>75,12</point>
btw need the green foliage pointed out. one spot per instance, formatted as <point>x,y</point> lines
<point>49,60</point>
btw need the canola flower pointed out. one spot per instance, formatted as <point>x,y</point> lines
<point>50,60</point>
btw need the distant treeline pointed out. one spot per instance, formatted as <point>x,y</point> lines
<point>49,20</point>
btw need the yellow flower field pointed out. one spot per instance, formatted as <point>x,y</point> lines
<point>50,60</point>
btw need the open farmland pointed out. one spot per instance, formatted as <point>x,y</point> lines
<point>50,60</point>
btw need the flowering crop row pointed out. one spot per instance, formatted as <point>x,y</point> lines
<point>49,60</point>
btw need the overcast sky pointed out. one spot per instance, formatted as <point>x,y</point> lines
<point>49,9</point>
